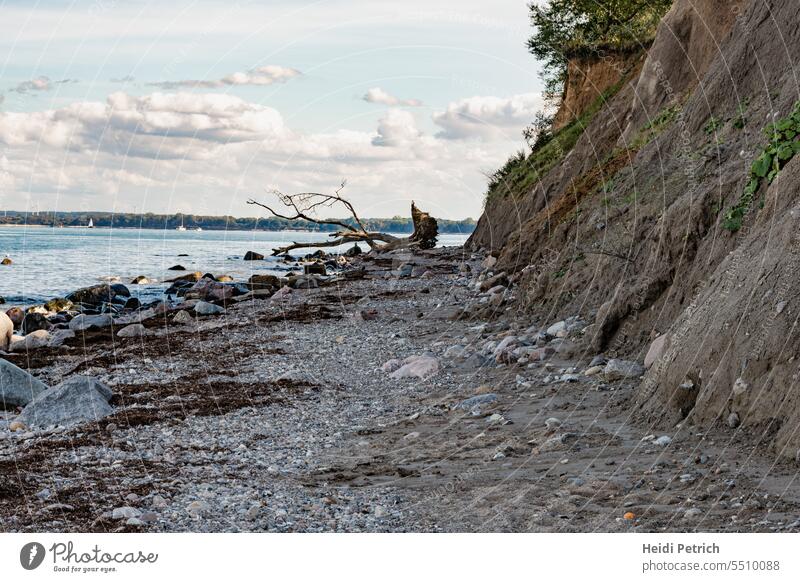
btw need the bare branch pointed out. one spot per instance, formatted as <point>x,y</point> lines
<point>304,206</point>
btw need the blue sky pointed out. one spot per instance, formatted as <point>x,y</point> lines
<point>218,100</point>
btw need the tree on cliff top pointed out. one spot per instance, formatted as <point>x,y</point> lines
<point>565,29</point>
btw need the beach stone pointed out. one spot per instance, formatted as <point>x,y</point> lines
<point>34,340</point>
<point>190,278</point>
<point>6,261</point>
<point>417,367</point>
<point>176,268</point>
<point>593,371</point>
<point>133,330</point>
<point>556,327</point>
<point>391,365</point>
<point>84,322</point>
<point>77,399</point>
<point>353,251</point>
<point>120,290</point>
<point>733,420</point>
<point>183,318</point>
<point>264,282</point>
<point>34,322</point>
<point>656,351</point>
<point>94,295</point>
<point>140,280</point>
<point>253,256</point>
<point>16,315</point>
<point>618,369</point>
<point>125,512</point>
<point>205,308</point>
<point>17,387</point>
<point>662,441</point>
<point>58,304</point>
<point>475,402</point>
<point>315,269</point>
<point>58,337</point>
<point>740,387</point>
<point>6,331</point>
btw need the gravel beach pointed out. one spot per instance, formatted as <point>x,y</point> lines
<point>416,396</point>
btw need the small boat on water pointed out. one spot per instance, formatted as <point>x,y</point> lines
<point>181,227</point>
<point>91,224</point>
<point>199,229</point>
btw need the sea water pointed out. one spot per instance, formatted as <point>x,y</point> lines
<point>52,262</point>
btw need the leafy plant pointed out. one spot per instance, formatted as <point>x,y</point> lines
<point>564,29</point>
<point>741,120</point>
<point>712,126</point>
<point>783,145</point>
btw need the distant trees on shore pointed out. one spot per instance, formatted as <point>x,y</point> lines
<point>396,224</point>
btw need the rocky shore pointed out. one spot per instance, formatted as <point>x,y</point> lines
<point>383,392</point>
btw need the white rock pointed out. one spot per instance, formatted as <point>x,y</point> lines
<point>656,351</point>
<point>556,327</point>
<point>125,512</point>
<point>740,387</point>
<point>133,330</point>
<point>183,318</point>
<point>662,441</point>
<point>417,367</point>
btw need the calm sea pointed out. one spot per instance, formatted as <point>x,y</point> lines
<point>51,262</point>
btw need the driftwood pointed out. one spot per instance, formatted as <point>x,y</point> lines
<point>304,206</point>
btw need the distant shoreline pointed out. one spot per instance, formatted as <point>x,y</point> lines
<point>192,222</point>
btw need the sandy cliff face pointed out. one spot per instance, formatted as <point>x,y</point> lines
<point>627,229</point>
<point>589,77</point>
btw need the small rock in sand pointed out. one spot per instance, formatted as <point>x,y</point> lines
<point>133,330</point>
<point>417,367</point>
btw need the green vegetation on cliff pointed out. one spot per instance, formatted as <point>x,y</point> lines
<point>565,29</point>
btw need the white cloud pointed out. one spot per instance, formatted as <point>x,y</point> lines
<point>397,128</point>
<point>210,152</point>
<point>488,118</point>
<point>260,76</point>
<point>378,95</point>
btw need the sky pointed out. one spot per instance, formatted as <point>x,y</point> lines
<point>195,107</point>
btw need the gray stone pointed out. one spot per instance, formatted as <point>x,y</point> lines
<point>618,369</point>
<point>476,402</point>
<point>125,512</point>
<point>58,337</point>
<point>733,420</point>
<point>183,317</point>
<point>204,308</point>
<point>133,330</point>
<point>83,322</point>
<point>17,387</point>
<point>77,399</point>
<point>656,351</point>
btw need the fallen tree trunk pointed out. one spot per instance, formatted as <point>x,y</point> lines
<point>305,205</point>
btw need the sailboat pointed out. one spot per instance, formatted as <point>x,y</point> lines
<point>91,224</point>
<point>181,227</point>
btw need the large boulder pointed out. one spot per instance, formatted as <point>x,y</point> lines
<point>210,290</point>
<point>77,399</point>
<point>94,295</point>
<point>36,339</point>
<point>17,387</point>
<point>34,322</point>
<point>83,322</point>
<point>6,331</point>
<point>264,282</point>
